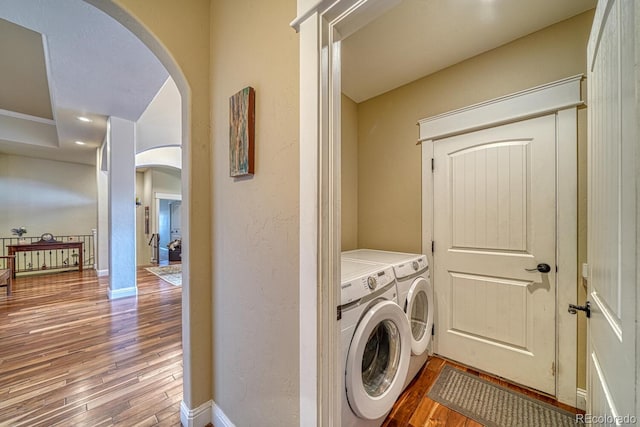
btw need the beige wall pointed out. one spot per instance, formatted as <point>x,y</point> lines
<point>166,180</point>
<point>46,196</point>
<point>242,323</point>
<point>389,165</point>
<point>255,219</point>
<point>182,28</point>
<point>349,182</point>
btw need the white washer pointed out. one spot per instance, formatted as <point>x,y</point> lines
<point>415,296</point>
<point>375,343</point>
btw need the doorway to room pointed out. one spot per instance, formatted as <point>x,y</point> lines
<point>169,230</point>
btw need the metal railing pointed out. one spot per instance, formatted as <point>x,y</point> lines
<point>49,259</point>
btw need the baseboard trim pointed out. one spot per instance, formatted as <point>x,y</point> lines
<point>123,292</point>
<point>198,417</point>
<point>219,417</point>
<point>581,399</point>
<point>102,273</point>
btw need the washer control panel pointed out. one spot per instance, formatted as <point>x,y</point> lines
<point>414,266</point>
<point>367,284</point>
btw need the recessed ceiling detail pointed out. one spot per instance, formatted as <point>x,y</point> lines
<point>87,65</point>
<point>24,87</point>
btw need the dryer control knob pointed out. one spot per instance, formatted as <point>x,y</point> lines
<point>415,265</point>
<point>371,282</point>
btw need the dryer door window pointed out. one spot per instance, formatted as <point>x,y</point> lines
<point>420,314</point>
<point>378,360</point>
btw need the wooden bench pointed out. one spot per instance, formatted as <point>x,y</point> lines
<point>6,274</point>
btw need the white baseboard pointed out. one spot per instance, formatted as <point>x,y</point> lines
<point>102,273</point>
<point>219,417</point>
<point>581,399</point>
<point>198,417</point>
<point>123,292</point>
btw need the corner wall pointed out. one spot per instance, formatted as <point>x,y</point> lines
<point>349,172</point>
<point>255,219</point>
<point>47,196</point>
<point>389,161</point>
<point>182,29</point>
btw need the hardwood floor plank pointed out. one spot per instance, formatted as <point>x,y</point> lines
<point>143,411</point>
<point>70,356</point>
<point>173,420</point>
<point>454,419</point>
<point>438,417</point>
<point>169,413</point>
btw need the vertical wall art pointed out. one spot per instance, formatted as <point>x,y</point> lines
<point>242,132</point>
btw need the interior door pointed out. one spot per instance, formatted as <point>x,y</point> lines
<point>176,219</point>
<point>494,223</point>
<point>164,229</point>
<point>612,281</point>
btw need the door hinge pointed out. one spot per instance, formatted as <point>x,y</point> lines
<point>433,246</point>
<point>553,369</point>
<point>339,313</point>
<point>433,330</point>
<point>573,309</point>
<point>433,164</point>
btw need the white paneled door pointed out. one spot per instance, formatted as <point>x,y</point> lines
<point>495,250</point>
<point>612,247</point>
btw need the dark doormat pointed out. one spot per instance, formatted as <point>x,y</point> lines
<point>493,405</point>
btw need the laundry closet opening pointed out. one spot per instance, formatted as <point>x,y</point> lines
<point>383,190</point>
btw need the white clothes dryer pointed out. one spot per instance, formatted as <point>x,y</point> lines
<point>375,343</point>
<point>415,296</point>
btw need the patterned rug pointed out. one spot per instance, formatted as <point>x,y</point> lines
<point>493,405</point>
<point>170,273</point>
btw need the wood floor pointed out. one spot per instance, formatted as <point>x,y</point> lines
<point>71,357</point>
<point>415,409</point>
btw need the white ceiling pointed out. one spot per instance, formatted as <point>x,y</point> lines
<point>420,37</point>
<point>96,68</point>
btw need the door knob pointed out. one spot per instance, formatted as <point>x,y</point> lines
<point>542,268</point>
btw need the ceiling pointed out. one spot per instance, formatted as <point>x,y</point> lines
<point>62,60</point>
<point>420,37</point>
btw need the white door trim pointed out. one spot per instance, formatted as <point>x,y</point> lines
<point>537,101</point>
<point>322,24</point>
<point>562,98</point>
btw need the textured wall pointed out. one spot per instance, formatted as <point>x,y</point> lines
<point>182,30</point>
<point>255,219</point>
<point>349,152</point>
<point>46,196</point>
